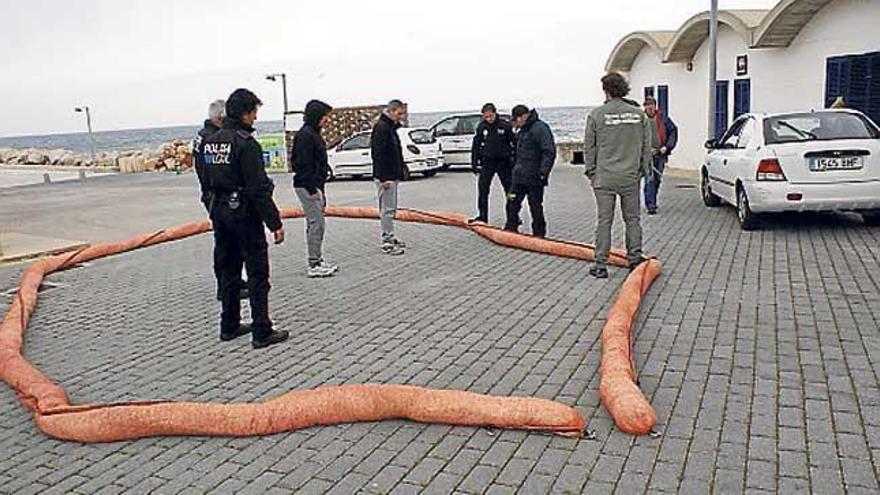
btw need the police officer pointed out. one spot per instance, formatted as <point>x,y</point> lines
<point>617,154</point>
<point>216,113</point>
<point>491,154</point>
<point>240,203</point>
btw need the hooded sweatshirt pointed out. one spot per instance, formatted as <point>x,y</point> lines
<point>309,153</point>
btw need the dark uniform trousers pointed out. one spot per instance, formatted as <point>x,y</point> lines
<point>535,195</point>
<point>239,239</point>
<point>490,168</point>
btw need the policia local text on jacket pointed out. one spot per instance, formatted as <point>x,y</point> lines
<point>535,156</point>
<point>207,130</point>
<point>240,203</point>
<point>491,154</point>
<point>617,154</point>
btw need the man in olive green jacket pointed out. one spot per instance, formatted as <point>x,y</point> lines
<point>617,153</point>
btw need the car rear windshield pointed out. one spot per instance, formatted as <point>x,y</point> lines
<point>422,136</point>
<point>818,126</point>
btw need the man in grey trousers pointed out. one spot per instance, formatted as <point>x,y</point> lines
<point>388,169</point>
<point>617,153</point>
<point>309,160</point>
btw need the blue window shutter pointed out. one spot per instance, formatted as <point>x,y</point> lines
<point>663,99</point>
<point>873,106</point>
<point>742,97</point>
<point>721,104</point>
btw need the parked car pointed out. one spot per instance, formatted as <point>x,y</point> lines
<point>809,161</point>
<point>456,136</point>
<point>421,154</point>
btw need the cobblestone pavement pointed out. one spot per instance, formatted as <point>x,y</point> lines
<point>760,351</point>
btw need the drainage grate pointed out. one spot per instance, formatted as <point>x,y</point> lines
<point>44,287</point>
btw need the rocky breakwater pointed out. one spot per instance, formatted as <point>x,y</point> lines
<point>176,155</point>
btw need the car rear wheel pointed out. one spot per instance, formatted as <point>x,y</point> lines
<point>748,220</point>
<point>709,198</point>
<point>871,217</point>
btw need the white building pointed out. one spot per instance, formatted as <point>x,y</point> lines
<point>800,55</point>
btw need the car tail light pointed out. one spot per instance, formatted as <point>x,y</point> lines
<point>770,170</point>
<point>414,149</point>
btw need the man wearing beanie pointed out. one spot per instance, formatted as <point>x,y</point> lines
<point>309,159</point>
<point>535,156</point>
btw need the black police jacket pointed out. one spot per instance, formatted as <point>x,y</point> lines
<point>234,163</point>
<point>198,164</point>
<point>493,142</point>
<point>386,151</point>
<point>535,153</point>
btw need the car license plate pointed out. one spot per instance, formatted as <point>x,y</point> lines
<point>824,164</point>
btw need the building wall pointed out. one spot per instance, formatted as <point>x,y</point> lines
<point>782,79</point>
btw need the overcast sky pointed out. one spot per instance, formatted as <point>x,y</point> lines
<point>148,63</point>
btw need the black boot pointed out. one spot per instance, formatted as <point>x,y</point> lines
<point>271,338</point>
<point>599,272</point>
<point>226,336</point>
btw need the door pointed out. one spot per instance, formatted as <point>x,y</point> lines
<point>352,156</point>
<point>721,163</point>
<point>446,132</point>
<point>742,97</point>
<point>663,99</point>
<point>721,105</point>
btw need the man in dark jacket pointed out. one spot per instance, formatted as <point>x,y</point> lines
<point>491,154</point>
<point>309,159</point>
<point>388,169</point>
<point>665,140</point>
<point>241,203</point>
<point>535,156</point>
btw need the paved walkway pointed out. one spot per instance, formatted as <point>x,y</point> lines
<point>760,351</point>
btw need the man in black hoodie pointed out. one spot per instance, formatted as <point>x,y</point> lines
<point>491,153</point>
<point>388,171</point>
<point>309,159</point>
<point>535,156</point>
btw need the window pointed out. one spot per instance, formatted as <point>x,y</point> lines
<point>649,91</point>
<point>448,127</point>
<point>731,137</point>
<point>663,99</point>
<point>421,136</point>
<point>359,142</point>
<point>856,80</point>
<point>818,126</point>
<point>742,97</point>
<point>468,125</point>
<point>747,134</point>
<point>721,88</point>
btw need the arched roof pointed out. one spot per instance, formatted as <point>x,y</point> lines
<point>691,35</point>
<point>626,51</point>
<point>782,24</point>
<point>759,29</point>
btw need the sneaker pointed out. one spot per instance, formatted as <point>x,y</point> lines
<point>329,267</point>
<point>478,219</point>
<point>272,338</point>
<point>242,330</point>
<point>398,243</point>
<point>599,272</point>
<point>319,271</point>
<point>392,249</point>
<point>635,264</point>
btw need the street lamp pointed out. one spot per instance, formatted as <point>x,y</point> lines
<point>713,67</point>
<point>283,76</point>
<point>85,109</point>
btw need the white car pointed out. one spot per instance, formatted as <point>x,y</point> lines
<point>809,161</point>
<point>456,135</point>
<point>421,155</point>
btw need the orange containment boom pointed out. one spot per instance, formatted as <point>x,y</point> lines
<point>618,390</point>
<point>56,417</point>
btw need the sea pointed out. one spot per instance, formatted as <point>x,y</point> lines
<point>567,124</point>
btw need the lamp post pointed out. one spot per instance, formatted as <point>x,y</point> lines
<point>713,66</point>
<point>85,109</point>
<point>283,77</point>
